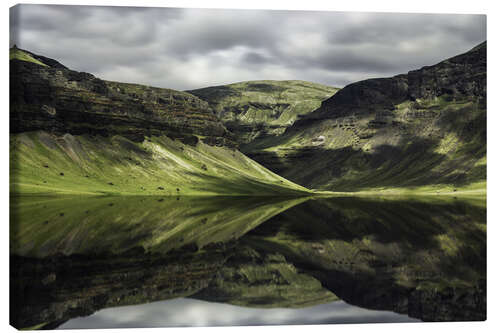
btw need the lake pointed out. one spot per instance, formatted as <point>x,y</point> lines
<point>104,262</point>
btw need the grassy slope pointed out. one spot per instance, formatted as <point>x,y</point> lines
<point>257,102</point>
<point>43,163</point>
<point>442,151</point>
<point>20,55</point>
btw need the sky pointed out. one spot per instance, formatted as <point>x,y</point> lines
<point>194,48</point>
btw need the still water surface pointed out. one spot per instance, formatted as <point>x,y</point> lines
<point>190,312</point>
<point>104,262</point>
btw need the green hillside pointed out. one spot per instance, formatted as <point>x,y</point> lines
<point>256,109</point>
<point>422,145</point>
<point>46,163</point>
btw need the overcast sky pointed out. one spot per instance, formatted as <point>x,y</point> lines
<point>194,48</point>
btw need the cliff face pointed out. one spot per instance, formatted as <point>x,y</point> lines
<point>363,97</point>
<point>424,128</point>
<point>462,76</point>
<point>52,98</point>
<point>256,110</point>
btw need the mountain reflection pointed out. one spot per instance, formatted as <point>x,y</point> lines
<point>73,256</point>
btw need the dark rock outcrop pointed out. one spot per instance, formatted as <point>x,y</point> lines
<point>461,76</point>
<point>365,97</point>
<point>56,99</point>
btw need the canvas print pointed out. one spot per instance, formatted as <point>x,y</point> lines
<point>225,167</point>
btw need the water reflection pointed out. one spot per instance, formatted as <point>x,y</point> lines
<point>73,256</point>
<point>43,227</point>
<point>183,312</point>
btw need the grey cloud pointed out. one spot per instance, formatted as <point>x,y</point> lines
<point>351,60</point>
<point>201,31</point>
<point>192,48</point>
<point>256,58</point>
<point>385,28</point>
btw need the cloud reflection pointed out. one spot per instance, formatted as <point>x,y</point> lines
<point>190,312</point>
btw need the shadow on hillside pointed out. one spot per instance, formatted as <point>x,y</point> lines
<point>414,163</point>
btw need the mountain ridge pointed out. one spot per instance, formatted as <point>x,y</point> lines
<point>412,85</point>
<point>79,102</point>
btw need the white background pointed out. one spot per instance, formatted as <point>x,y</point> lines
<point>421,6</point>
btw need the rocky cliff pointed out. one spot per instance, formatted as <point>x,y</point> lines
<point>463,76</point>
<point>46,95</point>
<point>423,128</point>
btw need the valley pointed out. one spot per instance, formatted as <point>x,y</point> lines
<point>421,132</point>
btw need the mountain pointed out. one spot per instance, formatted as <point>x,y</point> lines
<point>424,129</point>
<point>73,132</point>
<point>254,110</point>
